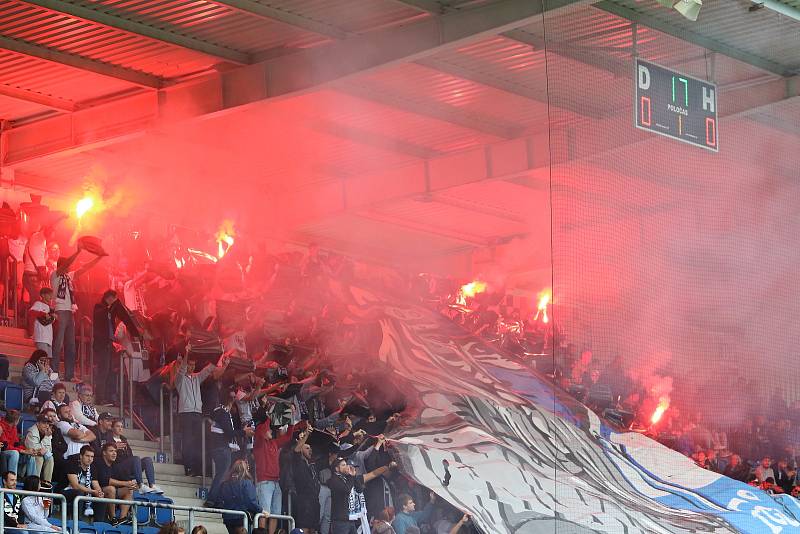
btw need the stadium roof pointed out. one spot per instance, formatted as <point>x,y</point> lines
<point>453,107</point>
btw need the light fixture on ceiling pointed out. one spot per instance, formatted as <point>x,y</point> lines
<point>688,8</point>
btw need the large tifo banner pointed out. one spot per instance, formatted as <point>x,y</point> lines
<point>524,457</point>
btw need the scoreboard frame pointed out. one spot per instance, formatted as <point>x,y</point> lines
<point>643,102</point>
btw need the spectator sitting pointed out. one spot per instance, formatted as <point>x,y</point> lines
<point>75,434</point>
<point>37,383</point>
<point>238,493</point>
<point>83,410</point>
<point>33,508</point>
<point>770,487</point>
<point>115,482</point>
<point>82,480</point>
<point>782,478</point>
<point>408,517</point>
<point>38,440</point>
<point>737,469</point>
<point>11,501</point>
<point>42,316</point>
<point>133,464</point>
<point>764,470</point>
<point>12,448</point>
<point>58,397</point>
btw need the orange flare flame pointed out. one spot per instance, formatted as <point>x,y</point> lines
<point>545,297</point>
<point>83,206</point>
<point>224,237</point>
<point>473,288</point>
<point>663,406</point>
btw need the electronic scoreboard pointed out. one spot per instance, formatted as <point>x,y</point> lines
<point>676,105</point>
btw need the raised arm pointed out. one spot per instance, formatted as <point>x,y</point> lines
<point>67,263</point>
<point>86,266</point>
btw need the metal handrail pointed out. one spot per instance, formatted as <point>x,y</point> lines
<point>149,504</point>
<point>51,496</point>
<point>288,518</point>
<point>84,352</point>
<point>161,422</point>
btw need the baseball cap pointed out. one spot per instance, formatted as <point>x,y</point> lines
<point>105,415</point>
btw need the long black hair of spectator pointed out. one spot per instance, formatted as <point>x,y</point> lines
<point>32,483</point>
<point>37,355</point>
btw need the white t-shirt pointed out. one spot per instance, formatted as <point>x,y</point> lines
<point>42,333</point>
<point>37,252</point>
<point>16,247</point>
<point>63,286</point>
<point>73,447</point>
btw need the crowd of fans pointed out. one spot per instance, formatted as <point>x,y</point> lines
<point>259,349</point>
<point>762,450</point>
<point>260,346</point>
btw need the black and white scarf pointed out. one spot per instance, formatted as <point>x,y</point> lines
<point>64,285</point>
<point>357,508</point>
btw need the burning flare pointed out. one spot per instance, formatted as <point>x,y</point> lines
<point>84,205</point>
<point>545,297</point>
<point>224,237</point>
<point>663,406</point>
<point>473,288</point>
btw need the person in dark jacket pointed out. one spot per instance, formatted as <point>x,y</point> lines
<point>306,482</point>
<point>238,493</point>
<point>105,315</point>
<point>225,429</point>
<point>736,469</point>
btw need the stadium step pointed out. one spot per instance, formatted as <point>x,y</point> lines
<point>170,477</point>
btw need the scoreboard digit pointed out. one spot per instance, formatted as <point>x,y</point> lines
<point>675,105</point>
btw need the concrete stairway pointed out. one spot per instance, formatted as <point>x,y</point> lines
<point>169,476</point>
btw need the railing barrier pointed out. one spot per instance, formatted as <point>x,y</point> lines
<point>76,504</point>
<point>288,518</point>
<point>51,496</point>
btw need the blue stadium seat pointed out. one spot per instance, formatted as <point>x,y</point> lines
<point>162,516</point>
<point>12,397</point>
<point>100,527</point>
<point>25,422</point>
<point>142,512</point>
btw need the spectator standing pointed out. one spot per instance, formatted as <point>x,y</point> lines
<point>190,411</point>
<point>38,439</point>
<point>408,516</point>
<point>34,276</point>
<point>62,281</point>
<point>42,316</point>
<point>33,507</point>
<point>105,315</point>
<point>37,383</point>
<point>225,430</point>
<point>266,450</point>
<point>306,505</point>
<point>383,522</point>
<point>346,487</point>
<point>238,493</point>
